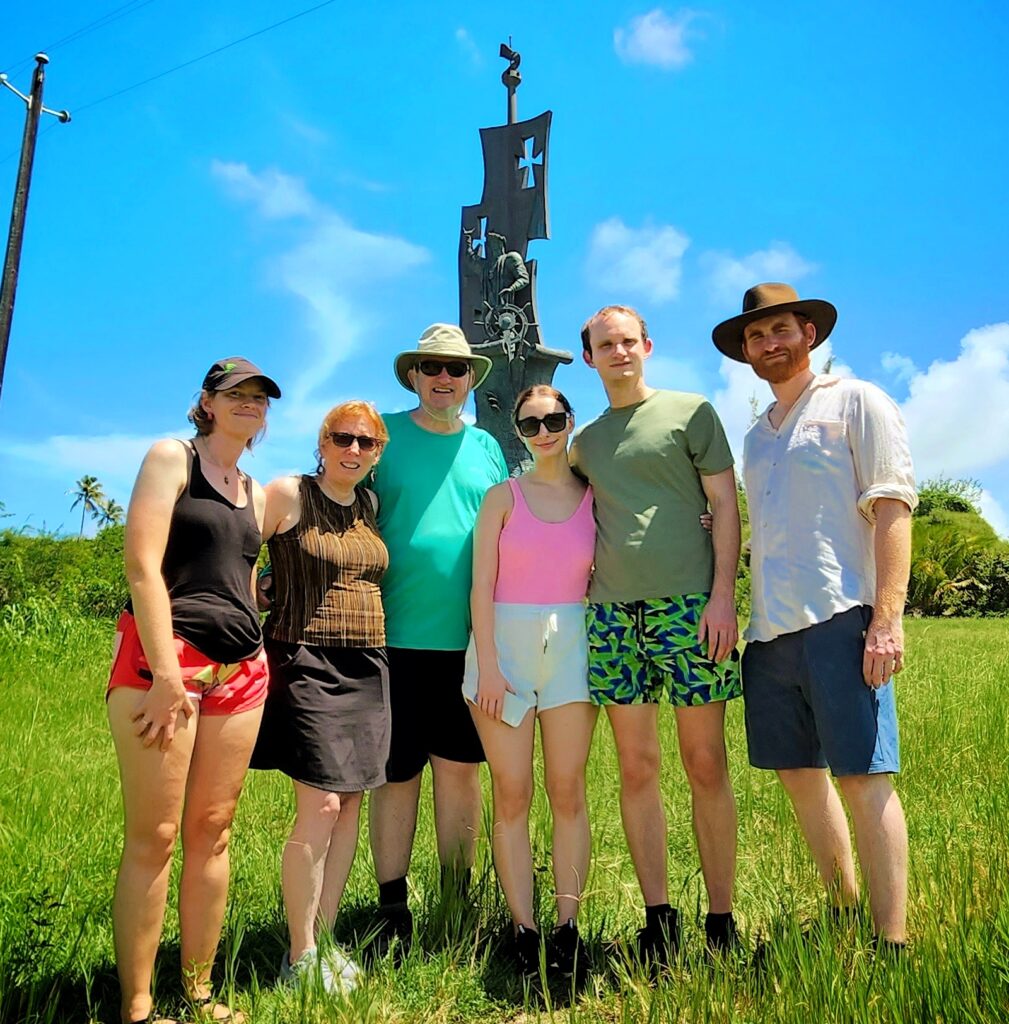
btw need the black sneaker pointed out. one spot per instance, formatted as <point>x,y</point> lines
<point>395,928</point>
<point>658,944</point>
<point>526,949</point>
<point>563,947</point>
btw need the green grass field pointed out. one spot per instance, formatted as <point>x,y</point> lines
<point>60,834</point>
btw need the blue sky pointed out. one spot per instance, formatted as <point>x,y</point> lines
<point>296,199</point>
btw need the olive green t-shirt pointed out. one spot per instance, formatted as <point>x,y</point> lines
<point>645,463</point>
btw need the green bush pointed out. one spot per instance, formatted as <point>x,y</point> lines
<point>83,576</point>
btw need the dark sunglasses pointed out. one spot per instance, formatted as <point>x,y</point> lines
<point>555,422</point>
<point>364,442</point>
<point>433,367</point>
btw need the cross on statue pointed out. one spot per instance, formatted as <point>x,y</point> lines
<point>527,162</point>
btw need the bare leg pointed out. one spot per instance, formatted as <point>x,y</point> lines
<point>821,818</point>
<point>153,785</point>
<point>304,861</point>
<point>220,760</point>
<point>881,838</point>
<point>701,731</point>
<point>457,800</point>
<point>636,733</point>
<point>340,858</point>
<point>509,753</point>
<point>393,818</point>
<point>567,735</point>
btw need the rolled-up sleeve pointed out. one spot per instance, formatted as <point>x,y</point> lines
<point>880,449</point>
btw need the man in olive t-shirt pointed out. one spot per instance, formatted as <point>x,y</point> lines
<point>662,616</point>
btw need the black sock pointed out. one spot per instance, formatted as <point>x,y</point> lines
<point>393,891</point>
<point>719,927</point>
<point>661,913</point>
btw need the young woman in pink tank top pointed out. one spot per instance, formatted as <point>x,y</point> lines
<point>528,659</point>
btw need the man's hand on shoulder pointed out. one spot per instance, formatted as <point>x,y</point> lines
<point>884,650</point>
<point>719,626</point>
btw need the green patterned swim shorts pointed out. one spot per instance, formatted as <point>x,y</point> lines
<point>642,651</point>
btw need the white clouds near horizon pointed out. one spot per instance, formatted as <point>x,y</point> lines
<point>643,261</point>
<point>657,38</point>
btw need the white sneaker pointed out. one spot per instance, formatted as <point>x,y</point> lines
<point>336,971</point>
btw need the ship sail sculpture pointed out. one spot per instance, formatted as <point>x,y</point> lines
<point>497,282</point>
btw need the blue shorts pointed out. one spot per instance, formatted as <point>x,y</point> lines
<point>807,705</point>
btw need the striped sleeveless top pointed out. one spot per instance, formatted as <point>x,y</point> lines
<point>326,572</point>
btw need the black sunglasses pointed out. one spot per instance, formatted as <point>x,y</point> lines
<point>364,442</point>
<point>433,367</point>
<point>555,422</point>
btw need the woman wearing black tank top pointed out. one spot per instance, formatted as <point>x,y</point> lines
<point>188,681</point>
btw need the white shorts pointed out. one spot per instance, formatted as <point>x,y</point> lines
<point>542,651</point>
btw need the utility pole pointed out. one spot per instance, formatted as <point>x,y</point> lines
<point>12,259</point>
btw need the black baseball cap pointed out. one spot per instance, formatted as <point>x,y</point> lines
<point>226,373</point>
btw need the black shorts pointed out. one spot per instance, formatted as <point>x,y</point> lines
<point>429,712</point>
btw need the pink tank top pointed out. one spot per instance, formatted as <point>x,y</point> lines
<point>545,563</point>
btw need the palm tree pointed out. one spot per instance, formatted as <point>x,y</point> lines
<point>112,513</point>
<point>90,496</point>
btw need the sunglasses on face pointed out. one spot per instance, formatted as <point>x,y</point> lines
<point>529,426</point>
<point>433,368</point>
<point>364,442</point>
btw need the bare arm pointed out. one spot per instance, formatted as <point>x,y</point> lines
<point>161,480</point>
<point>281,512</point>
<point>491,684</point>
<point>719,625</point>
<point>884,639</point>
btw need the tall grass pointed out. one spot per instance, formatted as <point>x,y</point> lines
<point>60,833</point>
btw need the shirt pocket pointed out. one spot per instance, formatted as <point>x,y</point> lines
<point>818,446</point>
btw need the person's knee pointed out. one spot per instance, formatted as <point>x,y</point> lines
<point>639,769</point>
<point>705,767</point>
<point>208,831</point>
<point>512,796</point>
<point>865,791</point>
<point>152,846</point>
<point>566,793</point>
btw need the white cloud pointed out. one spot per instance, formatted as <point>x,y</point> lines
<point>327,270</point>
<point>275,195</point>
<point>995,515</point>
<point>730,276</point>
<point>657,38</point>
<point>468,47</point>
<point>901,368</point>
<point>644,261</point>
<point>957,412</point>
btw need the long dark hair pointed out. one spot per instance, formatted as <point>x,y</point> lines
<point>539,389</point>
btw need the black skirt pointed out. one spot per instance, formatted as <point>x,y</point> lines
<point>326,719</point>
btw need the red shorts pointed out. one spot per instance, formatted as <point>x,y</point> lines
<point>220,689</point>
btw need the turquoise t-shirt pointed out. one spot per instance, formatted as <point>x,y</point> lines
<point>430,487</point>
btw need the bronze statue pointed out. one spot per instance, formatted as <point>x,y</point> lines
<point>497,281</point>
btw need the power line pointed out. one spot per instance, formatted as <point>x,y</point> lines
<point>203,56</point>
<point>91,26</point>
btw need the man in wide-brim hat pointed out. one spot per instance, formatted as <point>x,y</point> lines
<point>831,489</point>
<point>430,483</point>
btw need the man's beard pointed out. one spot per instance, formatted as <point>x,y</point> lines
<point>778,370</point>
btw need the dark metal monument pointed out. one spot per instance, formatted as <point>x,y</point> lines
<point>497,282</point>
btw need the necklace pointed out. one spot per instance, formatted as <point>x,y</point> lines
<point>213,462</point>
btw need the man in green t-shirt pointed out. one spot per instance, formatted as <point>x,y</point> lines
<point>662,615</point>
<point>432,478</point>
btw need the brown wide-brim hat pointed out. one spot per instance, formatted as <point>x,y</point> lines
<point>235,370</point>
<point>445,342</point>
<point>765,300</point>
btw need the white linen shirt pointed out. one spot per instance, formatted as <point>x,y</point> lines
<point>811,486</point>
